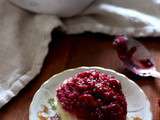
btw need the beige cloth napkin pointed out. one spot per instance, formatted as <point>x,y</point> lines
<point>24,39</point>
<point>24,36</point>
<point>132,17</point>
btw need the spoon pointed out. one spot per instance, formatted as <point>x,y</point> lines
<point>135,56</point>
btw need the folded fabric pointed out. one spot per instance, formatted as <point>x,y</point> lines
<point>24,39</point>
<point>24,36</point>
<point>132,17</point>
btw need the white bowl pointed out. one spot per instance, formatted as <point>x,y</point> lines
<point>138,103</point>
<point>62,8</point>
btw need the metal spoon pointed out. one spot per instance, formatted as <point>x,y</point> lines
<point>135,56</point>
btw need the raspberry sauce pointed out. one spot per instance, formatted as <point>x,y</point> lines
<point>92,95</point>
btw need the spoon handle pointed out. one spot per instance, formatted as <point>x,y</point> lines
<point>155,74</point>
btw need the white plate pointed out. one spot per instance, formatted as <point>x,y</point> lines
<point>62,8</point>
<point>138,103</point>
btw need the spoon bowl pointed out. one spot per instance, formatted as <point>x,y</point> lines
<point>135,56</point>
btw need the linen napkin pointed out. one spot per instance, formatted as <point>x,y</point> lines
<point>132,17</point>
<point>24,36</point>
<point>24,39</point>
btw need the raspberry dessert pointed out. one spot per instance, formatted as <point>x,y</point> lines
<point>91,95</point>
